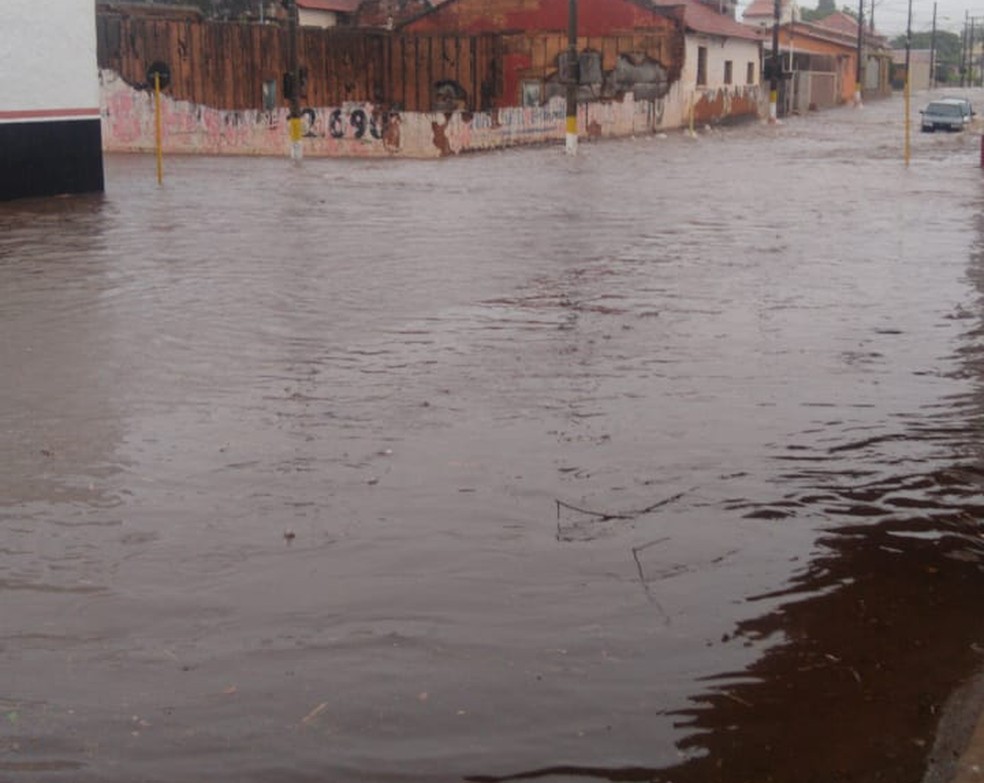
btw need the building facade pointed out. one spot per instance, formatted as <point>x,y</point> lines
<point>50,138</point>
<point>722,65</point>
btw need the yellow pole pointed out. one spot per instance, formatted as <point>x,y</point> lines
<point>907,122</point>
<point>296,151</point>
<point>157,127</point>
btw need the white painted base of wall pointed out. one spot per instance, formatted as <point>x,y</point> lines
<point>362,130</point>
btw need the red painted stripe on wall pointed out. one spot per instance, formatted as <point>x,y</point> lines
<point>48,114</point>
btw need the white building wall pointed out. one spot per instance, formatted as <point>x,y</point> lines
<point>719,50</point>
<point>48,58</point>
<point>317,18</point>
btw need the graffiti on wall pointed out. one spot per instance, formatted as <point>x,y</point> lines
<point>634,72</point>
<point>358,123</point>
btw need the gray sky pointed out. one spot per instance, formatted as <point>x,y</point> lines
<point>890,15</point>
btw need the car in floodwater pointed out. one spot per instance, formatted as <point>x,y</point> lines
<point>951,114</point>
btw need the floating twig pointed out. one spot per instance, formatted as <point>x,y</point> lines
<point>642,576</point>
<point>605,516</point>
<point>313,714</point>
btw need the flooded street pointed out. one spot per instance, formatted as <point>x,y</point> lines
<point>659,463</point>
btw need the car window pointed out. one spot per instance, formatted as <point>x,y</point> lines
<point>946,109</point>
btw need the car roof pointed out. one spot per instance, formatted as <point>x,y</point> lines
<point>950,101</point>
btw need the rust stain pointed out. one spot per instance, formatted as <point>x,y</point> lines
<point>594,130</point>
<point>391,133</point>
<point>441,136</point>
<point>722,105</point>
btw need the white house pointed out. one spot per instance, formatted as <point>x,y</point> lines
<point>721,74</point>
<point>50,139</point>
<point>325,13</point>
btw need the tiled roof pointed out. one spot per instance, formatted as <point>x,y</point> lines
<point>763,7</point>
<point>838,20</point>
<point>339,6</point>
<point>848,25</point>
<point>701,19</point>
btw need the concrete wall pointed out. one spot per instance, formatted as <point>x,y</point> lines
<point>362,130</point>
<point>49,99</point>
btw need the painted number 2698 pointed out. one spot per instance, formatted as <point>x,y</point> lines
<point>358,120</point>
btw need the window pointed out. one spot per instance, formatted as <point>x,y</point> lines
<point>750,74</point>
<point>701,66</point>
<point>728,76</point>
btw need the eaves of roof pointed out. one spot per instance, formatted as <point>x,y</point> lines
<point>699,18</point>
<point>337,6</point>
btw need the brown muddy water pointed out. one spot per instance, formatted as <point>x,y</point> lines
<point>661,463</point>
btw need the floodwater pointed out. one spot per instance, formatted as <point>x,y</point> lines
<point>660,463</point>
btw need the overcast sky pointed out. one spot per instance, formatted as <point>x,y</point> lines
<point>890,15</point>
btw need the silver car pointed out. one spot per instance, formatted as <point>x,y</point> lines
<point>952,114</point>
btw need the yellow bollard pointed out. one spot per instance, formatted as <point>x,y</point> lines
<point>296,151</point>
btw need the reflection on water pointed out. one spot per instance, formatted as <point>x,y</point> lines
<point>506,467</point>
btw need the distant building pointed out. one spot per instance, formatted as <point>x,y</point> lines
<point>50,137</point>
<point>761,13</point>
<point>919,72</point>
<point>720,51</point>
<point>326,13</point>
<point>391,14</point>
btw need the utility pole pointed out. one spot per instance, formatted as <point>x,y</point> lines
<point>294,118</point>
<point>970,55</point>
<point>932,53</point>
<point>776,63</point>
<point>963,54</point>
<point>859,76</point>
<point>573,78</point>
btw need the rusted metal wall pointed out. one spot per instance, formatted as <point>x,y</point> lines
<point>224,65</point>
<point>535,32</point>
<point>536,57</point>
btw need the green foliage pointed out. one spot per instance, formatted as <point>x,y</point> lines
<point>948,45</point>
<point>949,48</point>
<point>813,14</point>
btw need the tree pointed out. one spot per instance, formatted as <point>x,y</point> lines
<point>824,9</point>
<point>949,48</point>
